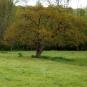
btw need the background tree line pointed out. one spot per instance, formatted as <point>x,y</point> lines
<point>37,27</point>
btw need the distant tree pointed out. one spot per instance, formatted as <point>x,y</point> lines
<point>63,3</point>
<point>71,32</point>
<point>6,15</point>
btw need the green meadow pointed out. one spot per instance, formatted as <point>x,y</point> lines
<point>52,69</point>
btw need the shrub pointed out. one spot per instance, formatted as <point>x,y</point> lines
<point>19,54</point>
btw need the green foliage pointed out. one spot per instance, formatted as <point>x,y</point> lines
<point>6,16</point>
<point>20,55</point>
<point>39,26</point>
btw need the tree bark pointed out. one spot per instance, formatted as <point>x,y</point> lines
<point>39,51</point>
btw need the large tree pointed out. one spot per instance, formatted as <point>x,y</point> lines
<point>31,28</point>
<point>38,27</point>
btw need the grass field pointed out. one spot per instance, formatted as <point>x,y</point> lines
<point>52,69</point>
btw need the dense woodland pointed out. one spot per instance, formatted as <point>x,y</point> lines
<point>37,27</point>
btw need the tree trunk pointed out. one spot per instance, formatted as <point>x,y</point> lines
<point>77,48</point>
<point>11,48</point>
<point>39,51</point>
<point>25,47</point>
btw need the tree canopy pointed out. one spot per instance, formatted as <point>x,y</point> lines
<point>39,26</point>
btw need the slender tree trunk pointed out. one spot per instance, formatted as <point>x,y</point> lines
<point>11,48</point>
<point>39,51</point>
<point>25,47</point>
<point>77,48</point>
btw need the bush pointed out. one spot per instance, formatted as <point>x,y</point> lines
<point>19,54</point>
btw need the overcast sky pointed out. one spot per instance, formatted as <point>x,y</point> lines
<point>73,3</point>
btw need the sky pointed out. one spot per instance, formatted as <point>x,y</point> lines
<point>73,3</point>
<point>78,3</point>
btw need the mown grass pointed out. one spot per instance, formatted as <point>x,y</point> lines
<point>52,69</point>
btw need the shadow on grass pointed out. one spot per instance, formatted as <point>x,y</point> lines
<point>65,60</point>
<point>57,59</point>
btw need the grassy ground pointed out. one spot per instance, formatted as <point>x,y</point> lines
<point>52,69</point>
